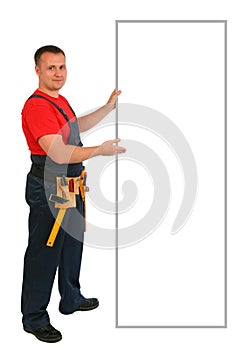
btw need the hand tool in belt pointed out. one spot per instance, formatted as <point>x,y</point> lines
<point>83,190</point>
<point>61,201</point>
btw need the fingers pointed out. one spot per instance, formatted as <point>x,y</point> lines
<point>108,148</point>
<point>113,97</point>
<point>116,92</point>
<point>116,140</point>
<point>118,149</point>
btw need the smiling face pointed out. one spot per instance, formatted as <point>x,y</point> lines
<point>52,73</point>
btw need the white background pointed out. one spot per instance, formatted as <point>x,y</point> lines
<point>86,31</point>
<point>177,68</point>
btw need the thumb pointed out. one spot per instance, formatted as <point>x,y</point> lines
<point>116,140</point>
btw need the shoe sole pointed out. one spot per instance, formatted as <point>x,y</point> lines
<point>55,340</point>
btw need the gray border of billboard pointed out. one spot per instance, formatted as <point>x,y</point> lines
<point>225,175</point>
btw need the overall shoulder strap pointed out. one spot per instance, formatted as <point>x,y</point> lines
<point>54,104</point>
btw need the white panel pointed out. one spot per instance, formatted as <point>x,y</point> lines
<point>176,72</point>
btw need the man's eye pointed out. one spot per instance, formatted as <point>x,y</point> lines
<point>51,68</point>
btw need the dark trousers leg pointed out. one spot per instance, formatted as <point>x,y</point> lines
<point>40,262</point>
<point>70,261</point>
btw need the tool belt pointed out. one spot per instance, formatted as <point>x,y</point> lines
<point>67,189</point>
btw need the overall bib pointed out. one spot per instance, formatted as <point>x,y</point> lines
<point>41,262</point>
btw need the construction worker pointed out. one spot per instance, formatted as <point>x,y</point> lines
<point>52,133</point>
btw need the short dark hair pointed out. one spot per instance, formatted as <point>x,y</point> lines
<point>47,48</point>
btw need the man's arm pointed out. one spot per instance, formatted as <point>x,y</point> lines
<point>88,121</point>
<point>60,153</point>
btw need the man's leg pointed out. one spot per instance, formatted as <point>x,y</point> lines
<point>40,262</point>
<point>68,275</point>
<point>70,263</point>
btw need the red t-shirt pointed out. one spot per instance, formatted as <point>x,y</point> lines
<point>40,117</point>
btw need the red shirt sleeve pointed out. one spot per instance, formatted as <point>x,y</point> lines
<point>40,118</point>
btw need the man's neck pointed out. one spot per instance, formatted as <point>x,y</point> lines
<point>54,93</point>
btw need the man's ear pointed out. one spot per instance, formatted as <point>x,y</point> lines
<point>37,69</point>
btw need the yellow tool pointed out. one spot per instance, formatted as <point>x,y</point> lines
<point>83,190</point>
<point>64,201</point>
<point>56,227</point>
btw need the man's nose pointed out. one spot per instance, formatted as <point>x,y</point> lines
<point>57,72</point>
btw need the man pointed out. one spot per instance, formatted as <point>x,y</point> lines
<point>53,136</point>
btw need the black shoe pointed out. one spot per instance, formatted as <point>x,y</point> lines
<point>47,333</point>
<point>88,304</point>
